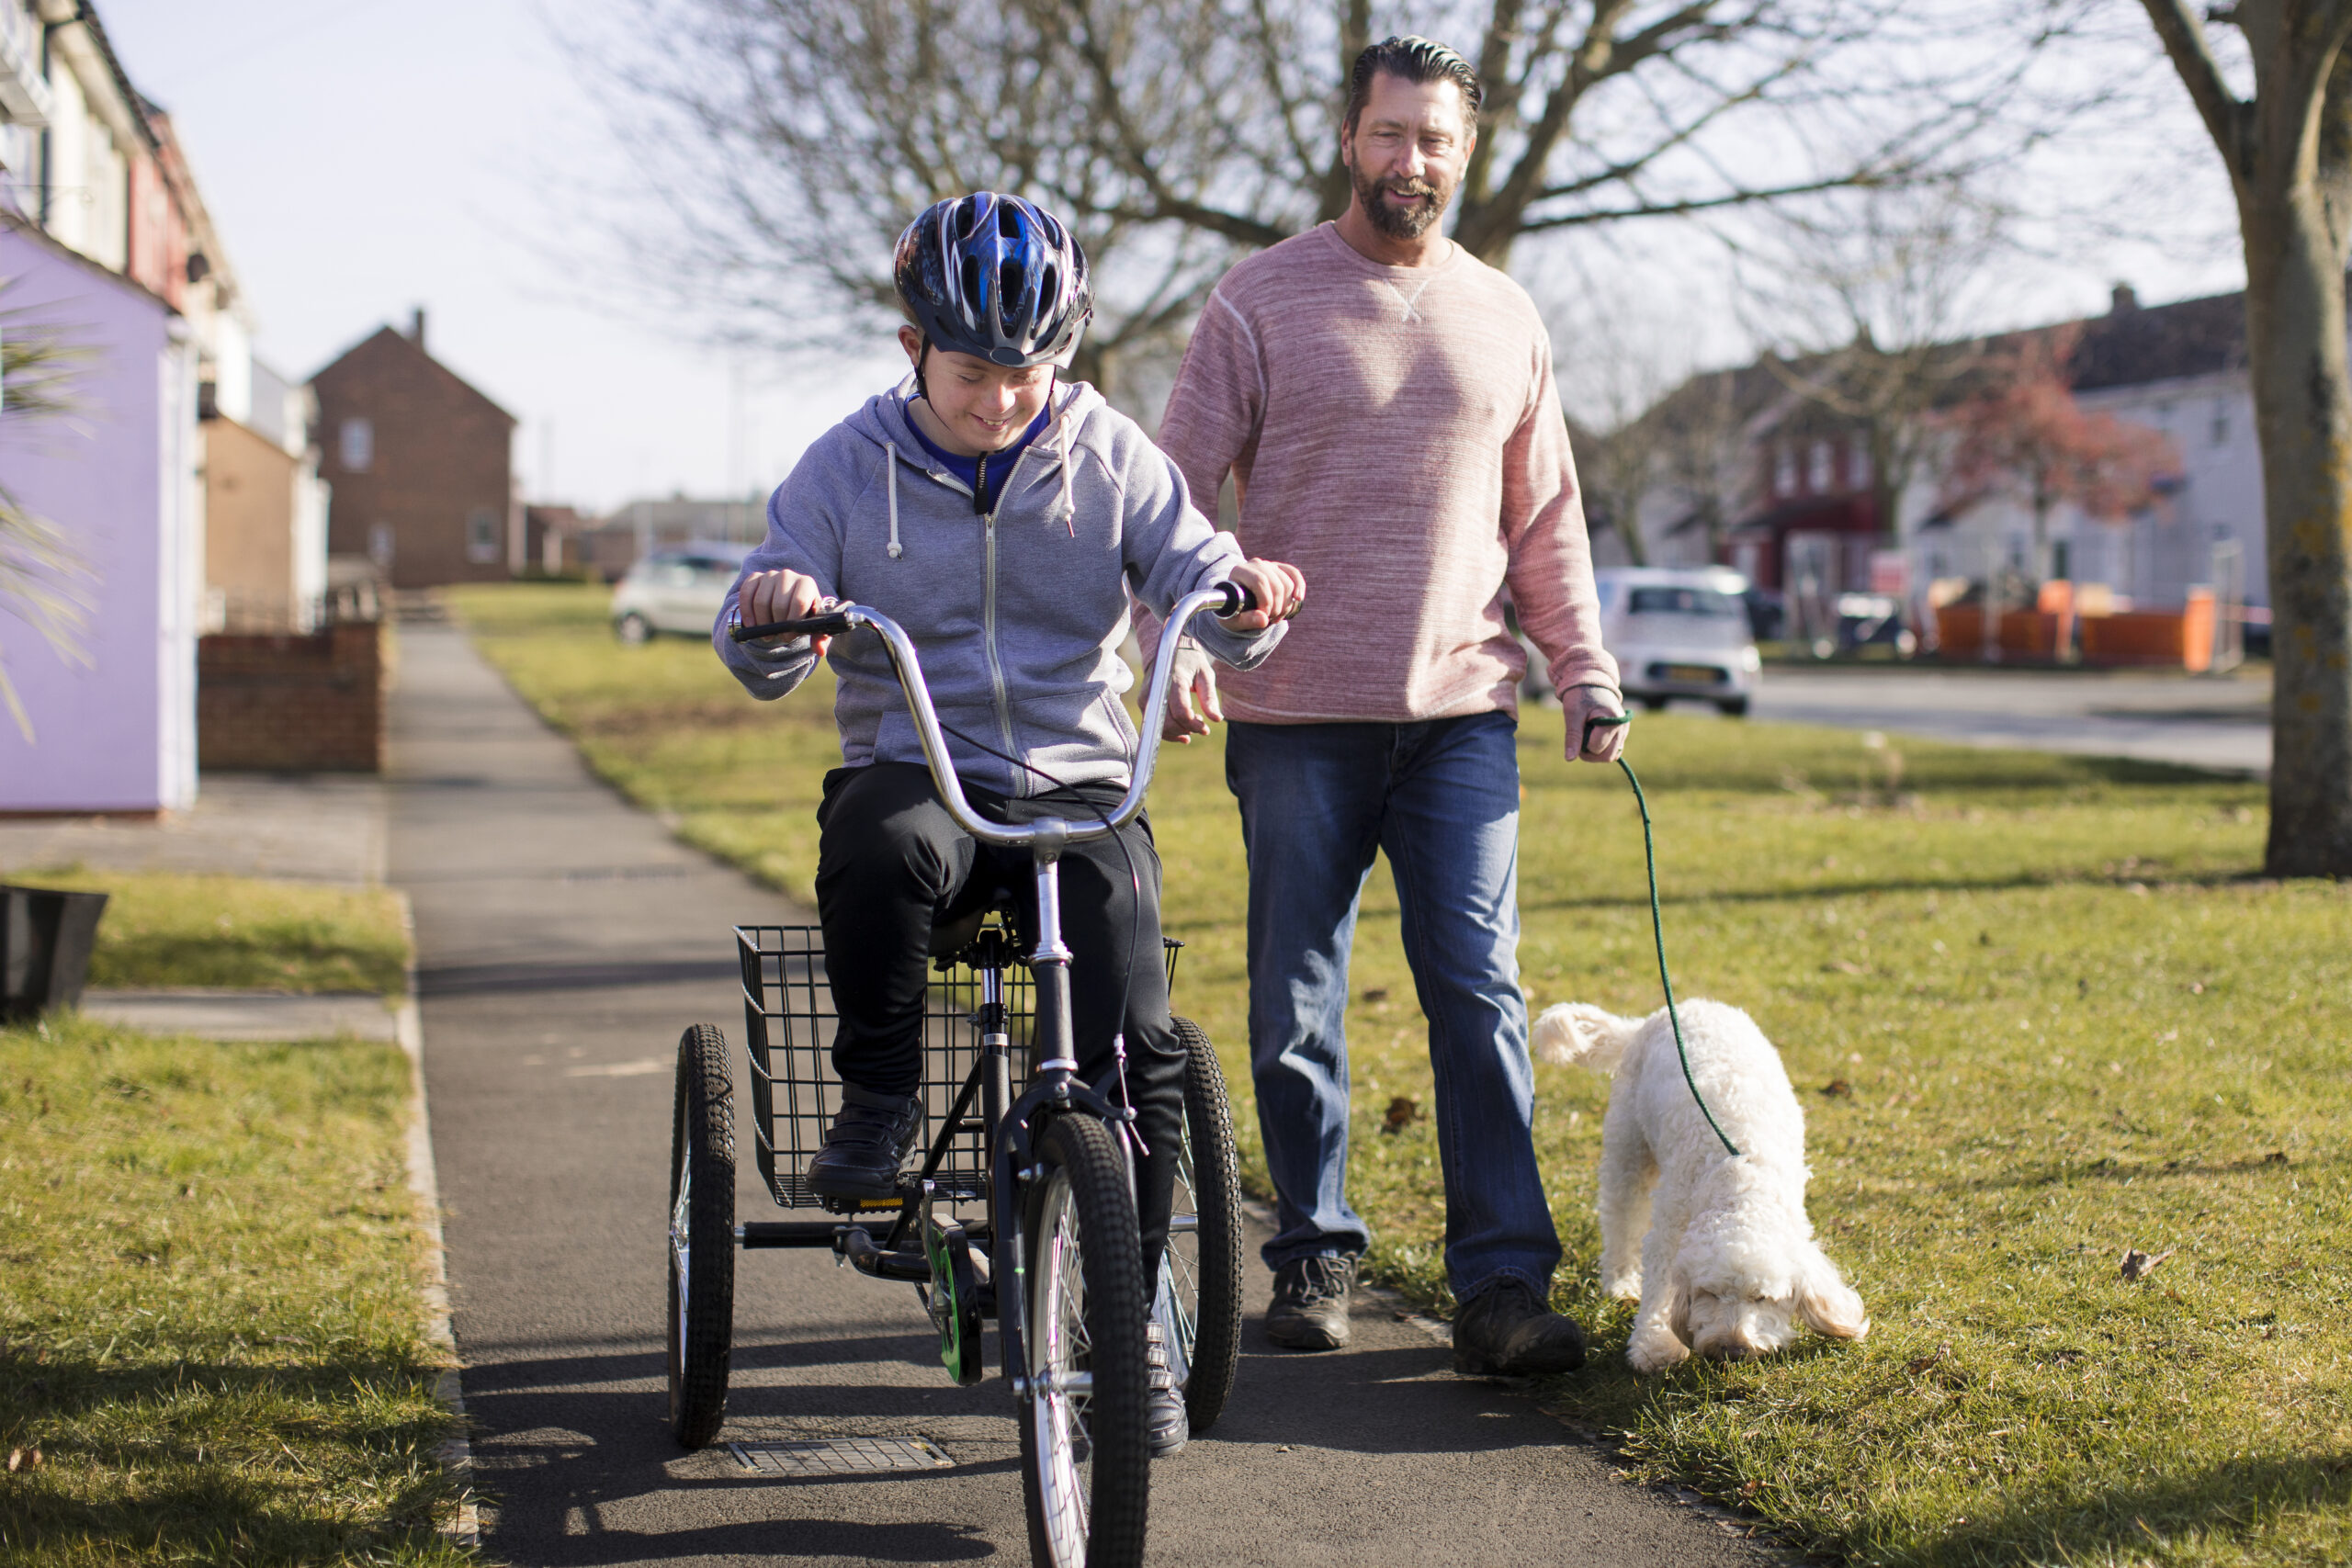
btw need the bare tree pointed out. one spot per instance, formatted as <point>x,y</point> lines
<point>1872,301</point>
<point>787,140</point>
<point>2288,146</point>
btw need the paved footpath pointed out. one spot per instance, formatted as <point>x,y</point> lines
<point>2219,723</point>
<point>565,941</point>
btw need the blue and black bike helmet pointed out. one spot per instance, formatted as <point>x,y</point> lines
<point>995,276</point>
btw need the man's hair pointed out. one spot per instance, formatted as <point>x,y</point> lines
<point>1416,59</point>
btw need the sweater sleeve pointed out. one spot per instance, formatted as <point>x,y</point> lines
<point>1212,419</point>
<point>1543,529</point>
<point>1171,550</point>
<point>803,537</point>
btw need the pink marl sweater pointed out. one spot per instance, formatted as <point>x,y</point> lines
<point>1395,435</point>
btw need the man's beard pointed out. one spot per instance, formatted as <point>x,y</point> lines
<point>1401,223</point>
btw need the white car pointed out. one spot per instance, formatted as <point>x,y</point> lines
<point>677,589</point>
<point>1679,633</point>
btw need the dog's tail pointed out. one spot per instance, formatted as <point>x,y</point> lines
<point>1582,1033</point>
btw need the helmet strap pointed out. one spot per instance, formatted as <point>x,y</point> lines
<point>920,360</point>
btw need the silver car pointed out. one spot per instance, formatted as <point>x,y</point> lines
<point>677,589</point>
<point>1679,634</point>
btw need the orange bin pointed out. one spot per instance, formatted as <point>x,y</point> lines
<point>2182,638</point>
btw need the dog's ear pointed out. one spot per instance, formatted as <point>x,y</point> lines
<point>1678,1307</point>
<point>1825,1304</point>
<point>1580,1033</point>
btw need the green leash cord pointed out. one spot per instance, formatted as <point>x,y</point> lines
<point>1657,926</point>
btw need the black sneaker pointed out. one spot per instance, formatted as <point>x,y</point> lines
<point>1506,1332</point>
<point>1310,1310</point>
<point>870,1139</point>
<point>1169,1426</point>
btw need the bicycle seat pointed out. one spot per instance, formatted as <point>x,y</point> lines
<point>955,931</point>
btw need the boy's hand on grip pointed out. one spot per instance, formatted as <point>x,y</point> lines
<point>780,595</point>
<point>1279,590</point>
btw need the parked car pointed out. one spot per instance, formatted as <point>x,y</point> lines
<point>675,590</point>
<point>1679,633</point>
<point>1867,619</point>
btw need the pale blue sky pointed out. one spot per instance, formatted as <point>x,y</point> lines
<point>364,156</point>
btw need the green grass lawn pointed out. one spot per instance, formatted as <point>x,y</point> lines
<point>165,930</point>
<point>210,1326</point>
<point>2038,1008</point>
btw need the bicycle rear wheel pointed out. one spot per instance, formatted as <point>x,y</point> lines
<point>702,1235</point>
<point>1085,1446</point>
<point>1199,1302</point>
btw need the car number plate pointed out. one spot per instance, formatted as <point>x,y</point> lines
<point>1705,673</point>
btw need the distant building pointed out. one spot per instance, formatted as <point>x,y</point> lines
<point>641,527</point>
<point>265,507</point>
<point>421,464</point>
<point>1791,491</point>
<point>552,542</point>
<point>105,248</point>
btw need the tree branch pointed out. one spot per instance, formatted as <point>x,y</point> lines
<point>2184,39</point>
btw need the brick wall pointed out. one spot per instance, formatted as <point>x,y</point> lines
<point>292,704</point>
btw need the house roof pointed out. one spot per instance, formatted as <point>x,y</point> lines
<point>385,340</point>
<point>2134,344</point>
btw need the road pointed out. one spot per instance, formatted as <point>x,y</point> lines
<point>2222,723</point>
<point>564,942</point>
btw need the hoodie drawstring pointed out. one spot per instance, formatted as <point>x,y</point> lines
<point>890,455</point>
<point>1069,512</point>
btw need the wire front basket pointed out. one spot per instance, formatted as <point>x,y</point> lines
<point>788,1016</point>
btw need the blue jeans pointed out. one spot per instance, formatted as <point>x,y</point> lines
<point>1442,798</point>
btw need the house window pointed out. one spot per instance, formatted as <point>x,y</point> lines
<point>1858,467</point>
<point>481,535</point>
<point>357,440</point>
<point>1824,472</point>
<point>1784,470</point>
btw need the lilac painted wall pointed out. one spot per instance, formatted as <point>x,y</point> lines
<point>117,733</point>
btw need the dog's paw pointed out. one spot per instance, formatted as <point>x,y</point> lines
<point>1622,1287</point>
<point>1653,1349</point>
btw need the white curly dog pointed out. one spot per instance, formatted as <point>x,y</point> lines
<point>1728,1267</point>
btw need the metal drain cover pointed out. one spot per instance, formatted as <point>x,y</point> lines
<point>841,1456</point>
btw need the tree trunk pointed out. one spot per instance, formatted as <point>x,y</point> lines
<point>2302,408</point>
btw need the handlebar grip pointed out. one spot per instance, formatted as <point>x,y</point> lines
<point>1238,600</point>
<point>831,625</point>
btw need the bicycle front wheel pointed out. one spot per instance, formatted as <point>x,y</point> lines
<point>1085,1443</point>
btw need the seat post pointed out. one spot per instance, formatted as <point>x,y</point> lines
<point>1049,965</point>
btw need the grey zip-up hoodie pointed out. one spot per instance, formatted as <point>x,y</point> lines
<point>1018,615</point>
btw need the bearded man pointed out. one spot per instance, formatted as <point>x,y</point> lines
<point>1384,403</point>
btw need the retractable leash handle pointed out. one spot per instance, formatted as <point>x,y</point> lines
<point>1657,922</point>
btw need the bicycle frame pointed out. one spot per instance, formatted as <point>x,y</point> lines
<point>1007,1128</point>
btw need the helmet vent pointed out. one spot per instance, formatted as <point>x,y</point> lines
<point>972,285</point>
<point>1009,300</point>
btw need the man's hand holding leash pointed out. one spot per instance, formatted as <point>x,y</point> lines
<point>1596,715</point>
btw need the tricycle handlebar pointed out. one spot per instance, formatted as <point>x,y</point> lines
<point>1047,833</point>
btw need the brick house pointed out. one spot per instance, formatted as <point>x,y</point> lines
<point>421,464</point>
